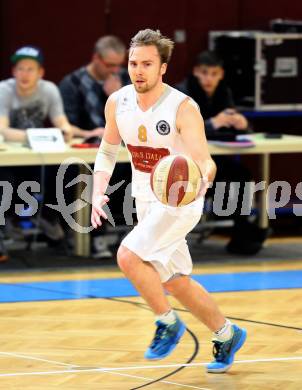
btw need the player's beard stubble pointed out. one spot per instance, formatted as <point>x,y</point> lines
<point>145,86</point>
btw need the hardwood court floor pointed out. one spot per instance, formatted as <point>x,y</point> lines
<point>99,343</point>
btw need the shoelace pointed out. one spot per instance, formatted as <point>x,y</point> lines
<point>219,352</point>
<point>160,333</point>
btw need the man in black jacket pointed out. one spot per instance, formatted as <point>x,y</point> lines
<point>207,87</point>
<point>85,90</point>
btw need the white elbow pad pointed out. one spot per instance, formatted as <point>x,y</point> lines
<point>106,157</point>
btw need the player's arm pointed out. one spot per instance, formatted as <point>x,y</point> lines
<point>191,127</point>
<point>105,163</point>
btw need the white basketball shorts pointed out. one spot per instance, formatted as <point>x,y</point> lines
<point>160,236</point>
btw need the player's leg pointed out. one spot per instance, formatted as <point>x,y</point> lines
<point>155,238</point>
<point>142,257</point>
<point>197,300</point>
<point>227,338</point>
<point>146,279</point>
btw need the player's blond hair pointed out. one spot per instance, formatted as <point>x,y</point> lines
<point>150,37</point>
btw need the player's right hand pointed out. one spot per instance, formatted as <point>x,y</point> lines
<point>97,212</point>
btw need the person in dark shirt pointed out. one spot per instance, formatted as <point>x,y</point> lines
<point>85,91</point>
<point>207,87</point>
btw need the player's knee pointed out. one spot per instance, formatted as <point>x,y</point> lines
<point>125,259</point>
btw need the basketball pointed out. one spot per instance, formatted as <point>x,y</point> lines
<point>176,180</point>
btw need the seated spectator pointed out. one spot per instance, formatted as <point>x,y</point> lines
<point>207,87</point>
<point>28,101</point>
<point>85,91</point>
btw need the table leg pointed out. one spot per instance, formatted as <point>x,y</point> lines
<point>263,201</point>
<point>82,217</point>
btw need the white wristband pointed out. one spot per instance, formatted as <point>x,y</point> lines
<point>106,157</point>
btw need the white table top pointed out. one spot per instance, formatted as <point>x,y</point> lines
<point>14,154</point>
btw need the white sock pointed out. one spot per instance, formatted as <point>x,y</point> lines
<point>224,333</point>
<point>167,318</point>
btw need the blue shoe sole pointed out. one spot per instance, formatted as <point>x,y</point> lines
<point>221,370</point>
<point>149,355</point>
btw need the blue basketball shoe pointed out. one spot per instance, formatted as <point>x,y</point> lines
<point>224,352</point>
<point>165,339</point>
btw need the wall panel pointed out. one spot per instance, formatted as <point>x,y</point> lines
<point>67,30</point>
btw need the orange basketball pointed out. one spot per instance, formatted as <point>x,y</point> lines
<point>176,180</point>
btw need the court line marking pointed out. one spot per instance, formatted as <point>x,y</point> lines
<point>112,369</point>
<point>18,355</point>
<point>22,356</point>
<point>268,360</point>
<point>102,370</point>
<point>161,381</point>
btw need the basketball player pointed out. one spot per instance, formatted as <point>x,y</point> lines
<point>155,120</point>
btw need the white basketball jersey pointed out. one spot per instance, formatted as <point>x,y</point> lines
<point>148,135</point>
